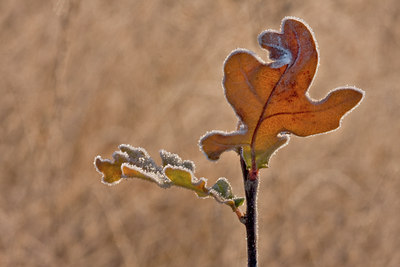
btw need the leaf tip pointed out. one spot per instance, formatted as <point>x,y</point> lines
<point>109,170</point>
<point>214,143</point>
<point>359,92</point>
<point>353,95</point>
<point>97,162</point>
<point>203,146</point>
<point>238,201</point>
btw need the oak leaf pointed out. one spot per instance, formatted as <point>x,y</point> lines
<point>133,162</point>
<point>271,100</point>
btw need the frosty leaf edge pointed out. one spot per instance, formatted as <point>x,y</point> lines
<point>131,162</point>
<point>271,99</point>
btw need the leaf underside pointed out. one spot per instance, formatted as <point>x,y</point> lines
<point>131,162</point>
<point>271,100</point>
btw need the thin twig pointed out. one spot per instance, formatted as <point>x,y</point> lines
<point>251,187</point>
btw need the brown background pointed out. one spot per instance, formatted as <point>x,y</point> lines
<point>77,78</point>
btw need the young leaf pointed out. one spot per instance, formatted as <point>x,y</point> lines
<point>224,190</point>
<point>132,162</point>
<point>184,178</point>
<point>223,187</point>
<point>271,100</point>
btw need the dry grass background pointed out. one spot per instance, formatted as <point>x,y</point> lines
<point>77,78</point>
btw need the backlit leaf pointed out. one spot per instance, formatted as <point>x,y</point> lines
<point>132,162</point>
<point>184,178</point>
<point>271,99</point>
<point>223,187</point>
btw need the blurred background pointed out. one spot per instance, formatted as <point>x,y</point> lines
<point>77,78</point>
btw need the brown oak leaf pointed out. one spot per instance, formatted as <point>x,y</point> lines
<point>271,99</point>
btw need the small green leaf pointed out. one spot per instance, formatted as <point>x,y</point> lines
<point>238,201</point>
<point>223,187</point>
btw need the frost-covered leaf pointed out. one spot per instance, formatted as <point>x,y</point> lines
<point>184,178</point>
<point>238,201</point>
<point>111,169</point>
<point>271,100</point>
<point>130,162</point>
<point>174,160</point>
<point>223,187</point>
<point>133,162</point>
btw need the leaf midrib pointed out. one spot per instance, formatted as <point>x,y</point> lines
<point>260,119</point>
